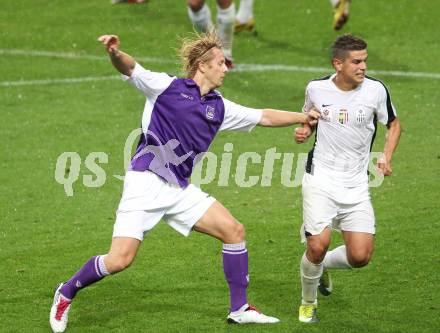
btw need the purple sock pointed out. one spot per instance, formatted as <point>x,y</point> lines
<point>92,271</point>
<point>235,266</point>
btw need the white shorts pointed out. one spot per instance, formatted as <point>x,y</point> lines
<point>147,199</point>
<point>321,209</point>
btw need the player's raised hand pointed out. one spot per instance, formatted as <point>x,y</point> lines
<point>111,42</point>
<point>302,134</point>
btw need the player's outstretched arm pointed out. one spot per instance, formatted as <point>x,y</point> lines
<point>277,118</point>
<point>391,141</point>
<point>123,62</point>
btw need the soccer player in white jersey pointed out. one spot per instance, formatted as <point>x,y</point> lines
<point>200,15</point>
<point>180,120</point>
<point>335,185</point>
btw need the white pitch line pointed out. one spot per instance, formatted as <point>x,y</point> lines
<point>56,81</point>
<point>72,55</point>
<point>292,68</point>
<point>240,68</point>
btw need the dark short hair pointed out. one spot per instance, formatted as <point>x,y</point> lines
<point>346,43</point>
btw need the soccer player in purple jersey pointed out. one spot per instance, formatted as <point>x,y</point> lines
<point>180,120</point>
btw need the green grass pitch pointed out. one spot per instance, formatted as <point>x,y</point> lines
<point>176,284</point>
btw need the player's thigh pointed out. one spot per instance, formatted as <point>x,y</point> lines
<point>358,217</point>
<point>188,207</point>
<point>219,223</point>
<point>360,247</point>
<point>319,209</point>
<point>136,224</point>
<point>357,223</point>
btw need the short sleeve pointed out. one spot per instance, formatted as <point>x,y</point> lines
<point>149,83</point>
<point>307,101</point>
<point>386,112</point>
<point>239,118</point>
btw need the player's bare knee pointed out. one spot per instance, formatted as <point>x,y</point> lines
<point>360,259</point>
<point>117,264</point>
<point>223,4</point>
<point>239,232</point>
<point>236,234</point>
<point>316,252</point>
<point>195,5</point>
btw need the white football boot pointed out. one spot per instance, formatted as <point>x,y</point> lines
<point>250,315</point>
<point>59,312</point>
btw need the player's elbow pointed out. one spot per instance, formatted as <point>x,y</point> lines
<point>395,125</point>
<point>266,119</point>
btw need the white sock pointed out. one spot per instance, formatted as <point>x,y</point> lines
<point>334,2</point>
<point>201,19</point>
<point>337,258</point>
<point>225,22</point>
<point>102,267</point>
<point>245,11</point>
<point>310,274</point>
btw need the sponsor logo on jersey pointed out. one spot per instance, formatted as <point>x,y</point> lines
<point>326,105</point>
<point>361,116</point>
<point>343,116</point>
<point>209,112</point>
<point>187,96</point>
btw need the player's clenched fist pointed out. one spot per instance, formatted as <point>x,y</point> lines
<point>111,42</point>
<point>302,134</point>
<point>312,117</point>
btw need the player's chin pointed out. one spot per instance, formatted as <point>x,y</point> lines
<point>360,78</point>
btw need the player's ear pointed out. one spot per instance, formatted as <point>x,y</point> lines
<point>202,66</point>
<point>337,64</point>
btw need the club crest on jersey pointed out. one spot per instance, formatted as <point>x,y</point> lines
<point>361,116</point>
<point>343,116</point>
<point>326,115</point>
<point>210,112</point>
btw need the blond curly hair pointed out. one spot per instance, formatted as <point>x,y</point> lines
<point>197,49</point>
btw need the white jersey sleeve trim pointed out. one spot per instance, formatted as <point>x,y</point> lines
<point>386,112</point>
<point>239,118</point>
<point>151,84</point>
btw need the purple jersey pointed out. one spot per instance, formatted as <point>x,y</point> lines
<point>179,125</point>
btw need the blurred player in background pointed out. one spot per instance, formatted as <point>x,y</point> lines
<point>200,15</point>
<point>180,120</point>
<point>245,16</point>
<point>335,185</point>
<point>341,11</point>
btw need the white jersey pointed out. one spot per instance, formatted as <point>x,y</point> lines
<point>346,131</point>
